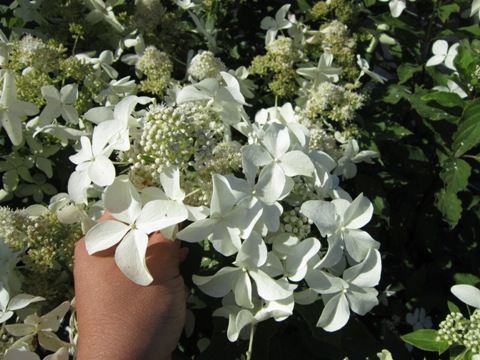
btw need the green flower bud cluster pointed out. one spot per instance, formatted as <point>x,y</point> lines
<point>323,141</point>
<point>33,52</point>
<point>335,102</point>
<point>48,65</point>
<point>471,339</point>
<point>215,158</point>
<point>457,330</point>
<point>224,159</point>
<point>181,136</point>
<point>29,86</point>
<point>205,65</point>
<point>149,14</point>
<point>295,223</point>
<point>278,66</point>
<point>13,225</point>
<point>48,251</point>
<point>343,10</point>
<point>6,341</point>
<point>336,39</point>
<point>157,67</point>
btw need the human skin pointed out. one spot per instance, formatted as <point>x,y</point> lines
<point>120,320</point>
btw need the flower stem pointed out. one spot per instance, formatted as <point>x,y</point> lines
<point>250,343</point>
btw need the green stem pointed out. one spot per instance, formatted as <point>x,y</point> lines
<point>250,343</point>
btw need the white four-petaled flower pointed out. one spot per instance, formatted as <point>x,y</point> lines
<point>130,227</point>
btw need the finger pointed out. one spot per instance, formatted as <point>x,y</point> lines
<point>183,254</point>
<point>105,216</point>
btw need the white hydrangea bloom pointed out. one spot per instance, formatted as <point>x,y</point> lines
<point>324,71</point>
<point>59,103</point>
<point>273,26</point>
<point>12,110</point>
<point>353,291</point>
<point>251,257</point>
<point>396,6</point>
<point>443,54</point>
<point>340,221</point>
<point>452,87</point>
<point>8,306</point>
<point>130,227</point>
<point>43,327</point>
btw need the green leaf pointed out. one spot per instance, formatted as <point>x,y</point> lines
<point>472,29</point>
<point>444,98</point>
<point>464,61</point>
<point>395,93</point>
<point>426,111</point>
<point>426,339</point>
<point>452,307</point>
<point>24,173</point>
<point>406,71</point>
<point>464,278</point>
<point>446,10</point>
<point>369,3</point>
<point>450,206</point>
<point>49,189</point>
<point>10,180</point>
<point>4,195</point>
<point>467,135</point>
<point>303,5</point>
<point>45,165</point>
<point>455,174</point>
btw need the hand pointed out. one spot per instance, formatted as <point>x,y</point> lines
<point>118,319</point>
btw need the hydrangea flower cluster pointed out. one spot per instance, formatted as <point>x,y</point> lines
<point>48,246</point>
<point>456,329</point>
<point>200,158</point>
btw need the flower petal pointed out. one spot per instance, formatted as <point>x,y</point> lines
<point>78,184</point>
<point>362,300</point>
<point>323,283</point>
<point>359,213</point>
<point>219,284</point>
<point>253,252</point>
<point>16,354</point>
<point>22,301</point>
<point>296,163</point>
<point>102,171</point>
<point>469,294</point>
<point>367,273</point>
<point>20,329</point>
<point>197,231</point>
<point>52,320</point>
<point>123,200</point>
<point>49,341</point>
<point>130,257</point>
<point>358,243</point>
<point>170,180</point>
<point>335,314</point>
<point>322,213</point>
<point>104,235</point>
<point>298,257</point>
<point>276,140</point>
<point>268,288</point>
<point>243,291</point>
<point>160,214</point>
